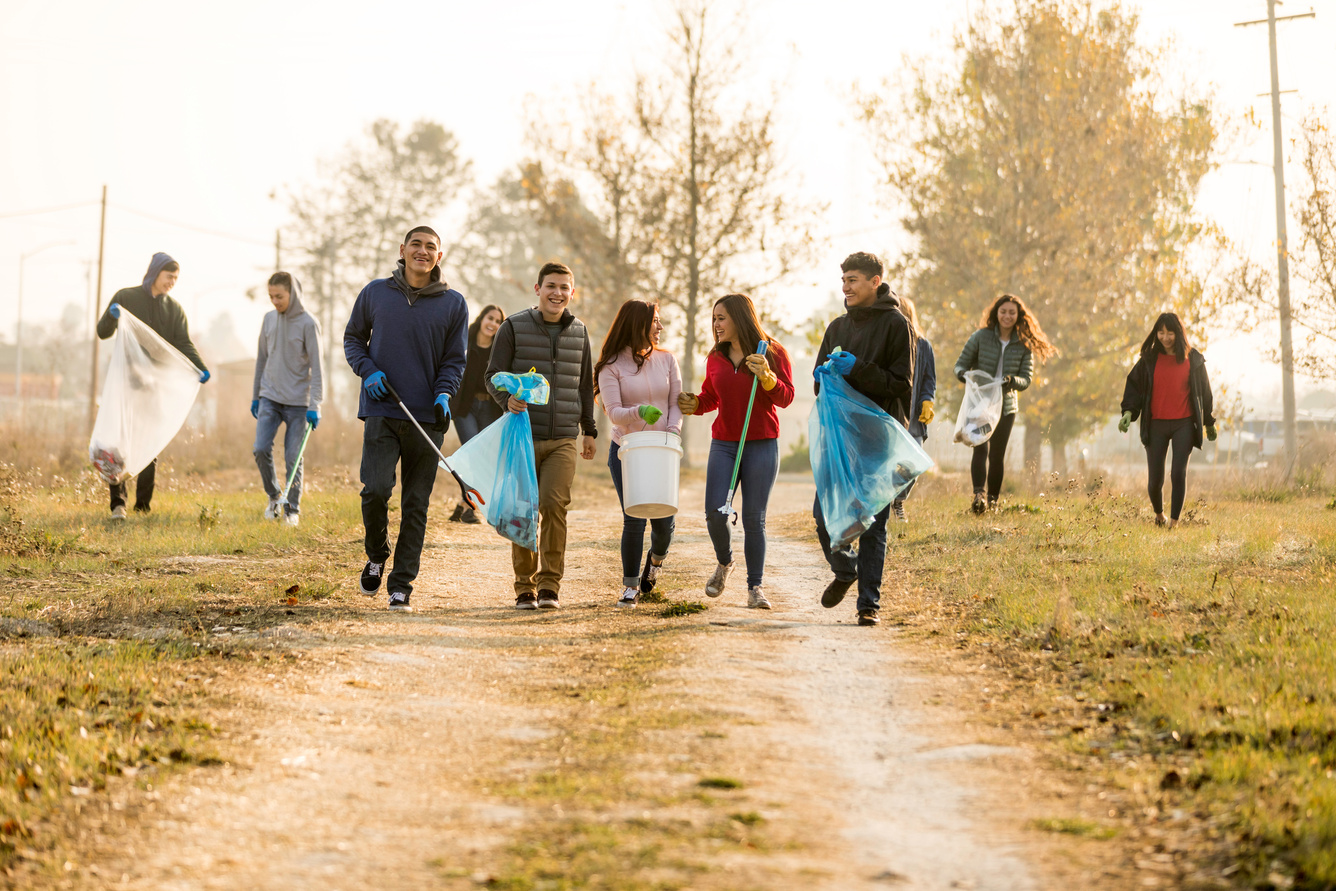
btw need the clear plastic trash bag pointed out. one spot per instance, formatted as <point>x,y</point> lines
<point>861,457</point>
<point>146,397</point>
<point>530,387</point>
<point>981,408</point>
<point>499,463</point>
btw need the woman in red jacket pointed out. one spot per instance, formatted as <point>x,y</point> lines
<point>730,369</point>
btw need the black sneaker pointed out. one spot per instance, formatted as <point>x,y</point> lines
<point>980,503</point>
<point>399,602</point>
<point>459,512</point>
<point>898,508</point>
<point>868,617</point>
<point>548,600</point>
<point>835,592</point>
<point>470,517</point>
<point>371,573</point>
<point>649,575</point>
<point>527,600</point>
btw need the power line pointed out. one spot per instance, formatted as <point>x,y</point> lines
<point>215,233</point>
<point>42,210</point>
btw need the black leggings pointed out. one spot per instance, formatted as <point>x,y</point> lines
<point>1161,434</point>
<point>989,458</point>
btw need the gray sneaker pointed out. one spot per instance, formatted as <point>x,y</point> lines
<point>715,586</point>
<point>118,512</point>
<point>756,598</point>
<point>274,510</point>
<point>399,602</point>
<point>629,597</point>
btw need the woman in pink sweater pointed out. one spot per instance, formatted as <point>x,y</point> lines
<point>638,384</point>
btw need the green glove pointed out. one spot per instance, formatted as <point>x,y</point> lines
<point>1124,422</point>
<point>1210,433</point>
<point>649,414</point>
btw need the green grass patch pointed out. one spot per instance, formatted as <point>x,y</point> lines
<point>719,783</point>
<point>1075,826</point>
<point>683,608</point>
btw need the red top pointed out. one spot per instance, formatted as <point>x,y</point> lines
<point>727,389</point>
<point>1169,393</point>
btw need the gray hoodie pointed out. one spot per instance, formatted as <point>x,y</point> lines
<point>287,368</point>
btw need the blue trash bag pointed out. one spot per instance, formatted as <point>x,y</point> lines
<point>530,387</point>
<point>861,457</point>
<point>499,463</point>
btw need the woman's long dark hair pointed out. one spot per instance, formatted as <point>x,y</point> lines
<point>748,325</point>
<point>1168,321</point>
<point>476,325</point>
<point>631,329</point>
<point>1027,327</point>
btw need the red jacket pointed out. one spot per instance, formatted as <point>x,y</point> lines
<point>727,389</point>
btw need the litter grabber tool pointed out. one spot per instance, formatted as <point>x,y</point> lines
<point>727,508</point>
<point>471,496</point>
<point>296,465</point>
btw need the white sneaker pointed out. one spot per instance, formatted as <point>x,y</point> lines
<point>118,512</point>
<point>292,519</point>
<point>629,597</point>
<point>715,586</point>
<point>756,598</point>
<point>272,511</point>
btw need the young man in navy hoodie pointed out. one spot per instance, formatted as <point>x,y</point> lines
<point>152,304</point>
<point>408,331</point>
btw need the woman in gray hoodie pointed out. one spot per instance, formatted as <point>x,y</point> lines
<point>288,389</point>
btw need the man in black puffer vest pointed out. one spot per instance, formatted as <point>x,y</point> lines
<point>552,340</point>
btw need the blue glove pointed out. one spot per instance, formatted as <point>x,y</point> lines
<point>313,417</point>
<point>442,408</point>
<point>255,408</point>
<point>375,385</point>
<point>841,363</point>
<point>204,376</point>
<point>114,310</point>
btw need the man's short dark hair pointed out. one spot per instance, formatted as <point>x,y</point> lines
<point>554,269</point>
<point>429,230</point>
<point>170,266</point>
<point>863,262</point>
<point>282,279</point>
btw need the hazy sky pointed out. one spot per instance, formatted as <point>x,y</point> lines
<point>196,114</point>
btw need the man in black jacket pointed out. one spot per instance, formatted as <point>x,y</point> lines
<point>551,339</point>
<point>152,305</point>
<point>877,359</point>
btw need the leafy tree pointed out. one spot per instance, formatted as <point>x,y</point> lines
<point>1314,310</point>
<point>1051,161</point>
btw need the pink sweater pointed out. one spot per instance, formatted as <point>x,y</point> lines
<point>623,388</point>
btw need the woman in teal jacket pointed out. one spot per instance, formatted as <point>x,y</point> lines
<point>1006,344</point>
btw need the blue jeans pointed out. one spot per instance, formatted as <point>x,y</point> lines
<point>266,428</point>
<point>865,564</point>
<point>756,477</point>
<point>633,529</point>
<point>483,412</point>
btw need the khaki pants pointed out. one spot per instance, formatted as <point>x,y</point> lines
<point>555,460</point>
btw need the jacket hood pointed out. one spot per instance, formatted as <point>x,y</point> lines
<point>295,307</point>
<point>437,284</point>
<point>160,259</point>
<point>886,300</point>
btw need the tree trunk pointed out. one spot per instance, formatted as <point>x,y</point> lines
<point>1034,441</point>
<point>1059,457</point>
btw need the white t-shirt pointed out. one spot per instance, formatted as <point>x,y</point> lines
<point>1001,358</point>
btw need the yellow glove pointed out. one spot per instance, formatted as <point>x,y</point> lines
<point>925,416</point>
<point>758,366</point>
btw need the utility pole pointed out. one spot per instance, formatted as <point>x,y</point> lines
<point>97,306</point>
<point>1282,241</point>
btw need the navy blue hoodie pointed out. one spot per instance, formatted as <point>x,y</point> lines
<point>418,337</point>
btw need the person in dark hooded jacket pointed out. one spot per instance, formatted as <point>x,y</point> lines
<point>877,354</point>
<point>407,331</point>
<point>151,303</point>
<point>287,390</point>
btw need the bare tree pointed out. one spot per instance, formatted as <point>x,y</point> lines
<point>1315,261</point>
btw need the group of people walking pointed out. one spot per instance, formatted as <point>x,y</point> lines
<point>423,365</point>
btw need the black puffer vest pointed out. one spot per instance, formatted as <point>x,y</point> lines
<point>559,359</point>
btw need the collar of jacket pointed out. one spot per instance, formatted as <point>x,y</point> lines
<point>399,281</point>
<point>566,317</point>
<point>884,303</point>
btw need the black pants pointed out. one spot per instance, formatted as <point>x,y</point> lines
<point>143,488</point>
<point>387,442</point>
<point>989,459</point>
<point>1162,433</point>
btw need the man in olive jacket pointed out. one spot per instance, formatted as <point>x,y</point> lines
<point>877,353</point>
<point>151,303</point>
<point>549,338</point>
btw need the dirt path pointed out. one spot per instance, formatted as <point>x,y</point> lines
<point>396,752</point>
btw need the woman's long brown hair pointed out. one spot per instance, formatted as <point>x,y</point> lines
<point>476,325</point>
<point>1027,327</point>
<point>748,325</point>
<point>631,328</point>
<point>911,315</point>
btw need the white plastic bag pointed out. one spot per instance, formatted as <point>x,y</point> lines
<point>981,408</point>
<point>148,392</point>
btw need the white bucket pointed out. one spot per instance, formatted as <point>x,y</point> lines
<point>651,462</point>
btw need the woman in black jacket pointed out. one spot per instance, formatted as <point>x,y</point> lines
<point>473,407</point>
<point>1169,392</point>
